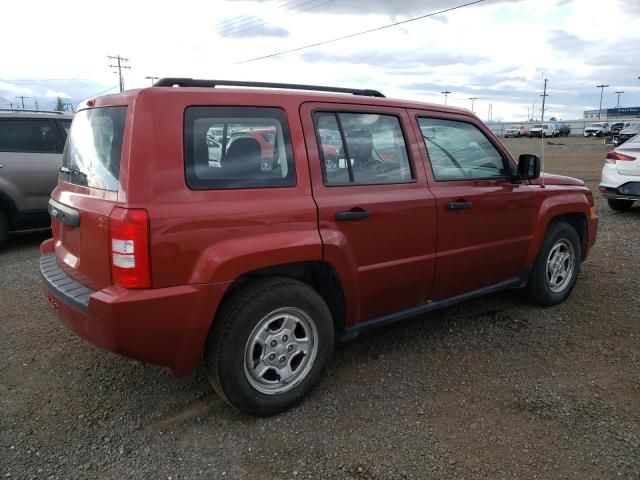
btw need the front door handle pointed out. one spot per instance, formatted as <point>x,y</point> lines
<point>459,205</point>
<point>352,215</point>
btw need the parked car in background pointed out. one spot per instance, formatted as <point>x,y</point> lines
<point>564,129</point>
<point>514,131</point>
<point>31,145</point>
<point>627,133</point>
<point>546,130</point>
<point>616,127</point>
<point>159,256</point>
<point>620,182</point>
<point>596,130</point>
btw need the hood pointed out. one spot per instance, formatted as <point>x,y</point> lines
<point>630,130</point>
<point>551,179</point>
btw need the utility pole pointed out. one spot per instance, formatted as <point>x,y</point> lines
<point>618,105</point>
<point>473,99</point>
<point>601,87</point>
<point>121,64</point>
<point>528,117</point>
<point>22,97</point>
<point>544,97</point>
<point>153,79</point>
<point>446,94</point>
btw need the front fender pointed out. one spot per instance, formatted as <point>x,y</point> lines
<point>560,203</point>
<point>225,261</point>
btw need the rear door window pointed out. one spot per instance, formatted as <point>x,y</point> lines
<point>93,152</point>
<point>373,144</point>
<point>28,136</point>
<point>237,147</point>
<point>460,151</point>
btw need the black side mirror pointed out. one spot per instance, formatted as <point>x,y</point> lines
<point>529,166</point>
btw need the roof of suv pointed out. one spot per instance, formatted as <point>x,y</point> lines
<point>34,114</point>
<point>290,91</point>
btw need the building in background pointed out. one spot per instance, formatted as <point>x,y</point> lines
<point>622,112</point>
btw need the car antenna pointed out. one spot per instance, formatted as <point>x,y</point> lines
<point>544,97</point>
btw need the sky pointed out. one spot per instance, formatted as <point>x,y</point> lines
<point>498,51</point>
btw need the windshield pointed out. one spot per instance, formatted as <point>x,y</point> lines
<point>92,154</point>
<point>537,126</point>
<point>596,125</point>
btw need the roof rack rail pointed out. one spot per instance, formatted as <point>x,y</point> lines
<point>194,82</point>
<point>13,110</point>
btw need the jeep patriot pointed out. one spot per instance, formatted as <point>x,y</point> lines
<point>258,261</point>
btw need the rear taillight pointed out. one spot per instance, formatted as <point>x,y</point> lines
<point>129,245</point>
<point>613,156</point>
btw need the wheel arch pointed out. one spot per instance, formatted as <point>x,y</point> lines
<point>572,212</point>
<point>9,208</point>
<point>318,274</point>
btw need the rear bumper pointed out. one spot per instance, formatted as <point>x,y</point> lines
<point>164,326</point>
<point>617,185</point>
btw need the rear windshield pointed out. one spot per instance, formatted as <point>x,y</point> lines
<point>94,148</point>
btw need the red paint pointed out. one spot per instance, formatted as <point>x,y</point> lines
<point>411,250</point>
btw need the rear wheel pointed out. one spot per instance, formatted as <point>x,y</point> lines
<point>4,228</point>
<point>557,265</point>
<point>620,205</point>
<point>269,346</point>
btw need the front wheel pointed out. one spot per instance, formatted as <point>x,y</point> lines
<point>620,205</point>
<point>557,265</point>
<point>269,346</point>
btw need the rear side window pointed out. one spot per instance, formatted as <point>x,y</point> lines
<point>93,151</point>
<point>237,147</point>
<point>460,151</point>
<point>373,144</point>
<point>28,135</point>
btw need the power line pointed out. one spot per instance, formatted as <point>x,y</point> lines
<point>103,91</point>
<point>22,97</point>
<point>245,19</point>
<point>257,22</point>
<point>261,23</point>
<point>120,65</point>
<point>360,33</point>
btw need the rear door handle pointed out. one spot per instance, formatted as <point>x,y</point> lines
<point>459,205</point>
<point>352,215</point>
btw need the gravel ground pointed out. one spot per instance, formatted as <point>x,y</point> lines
<point>493,388</point>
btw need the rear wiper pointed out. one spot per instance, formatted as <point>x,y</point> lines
<point>72,171</point>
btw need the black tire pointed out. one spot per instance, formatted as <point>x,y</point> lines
<point>235,323</point>
<point>4,228</point>
<point>620,205</point>
<point>538,287</point>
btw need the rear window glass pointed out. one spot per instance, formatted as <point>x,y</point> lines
<point>94,148</point>
<point>237,147</point>
<point>28,135</point>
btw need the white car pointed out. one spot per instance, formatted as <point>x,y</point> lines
<point>546,130</point>
<point>620,182</point>
<point>596,130</point>
<point>514,131</point>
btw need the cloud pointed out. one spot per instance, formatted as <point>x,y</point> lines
<point>251,27</point>
<point>52,94</point>
<point>381,7</point>
<point>404,59</point>
<point>13,89</point>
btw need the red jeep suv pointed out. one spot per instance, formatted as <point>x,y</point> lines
<point>258,266</point>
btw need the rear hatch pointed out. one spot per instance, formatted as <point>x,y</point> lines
<point>631,151</point>
<point>87,194</point>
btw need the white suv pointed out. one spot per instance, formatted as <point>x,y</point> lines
<point>596,130</point>
<point>620,183</point>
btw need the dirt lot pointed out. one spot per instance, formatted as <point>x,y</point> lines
<point>494,388</point>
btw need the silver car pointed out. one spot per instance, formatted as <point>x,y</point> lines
<point>31,145</point>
